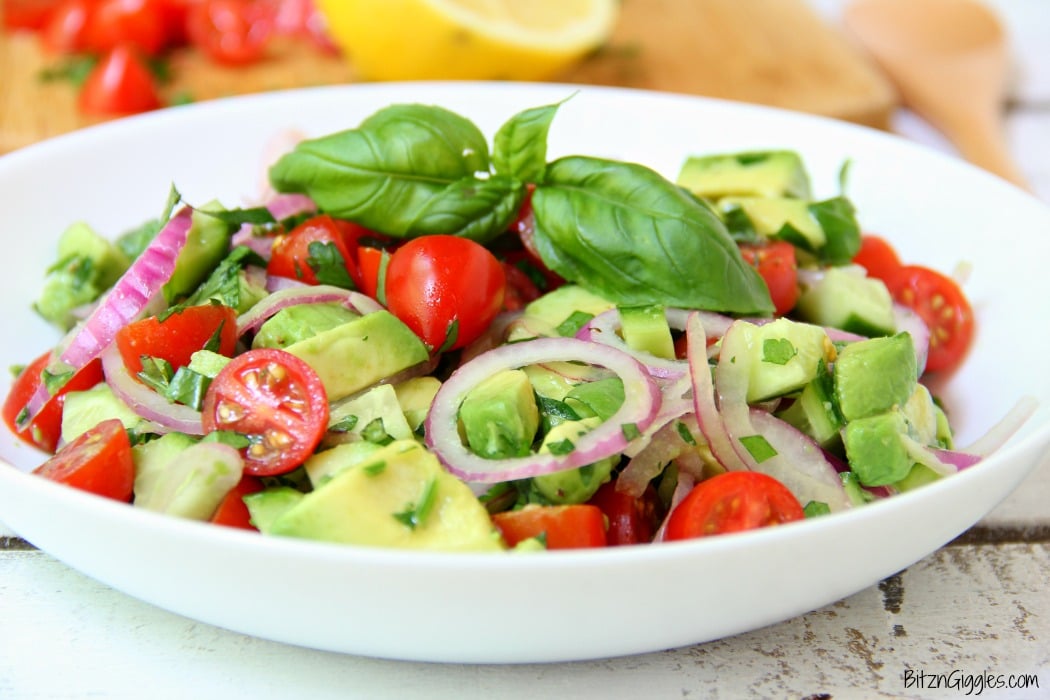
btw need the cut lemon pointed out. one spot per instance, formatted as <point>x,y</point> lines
<point>467,39</point>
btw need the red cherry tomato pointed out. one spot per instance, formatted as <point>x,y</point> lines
<point>65,29</point>
<point>120,84</point>
<point>138,23</point>
<point>732,502</point>
<point>98,461</point>
<point>631,520</point>
<point>775,262</point>
<point>939,301</point>
<point>878,257</point>
<point>445,288</point>
<point>277,401</point>
<point>520,288</point>
<point>45,429</point>
<point>232,32</point>
<point>28,14</point>
<point>370,261</point>
<point>232,511</point>
<point>561,527</point>
<point>315,252</point>
<point>176,337</point>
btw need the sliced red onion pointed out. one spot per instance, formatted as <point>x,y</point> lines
<point>637,412</point>
<point>909,321</point>
<point>284,205</point>
<point>685,484</point>
<point>303,294</point>
<point>675,401</point>
<point>799,463</point>
<point>665,445</point>
<point>1002,431</point>
<point>708,417</point>
<point>606,328</point>
<point>140,284</point>
<point>954,458</point>
<point>145,402</point>
<point>260,245</point>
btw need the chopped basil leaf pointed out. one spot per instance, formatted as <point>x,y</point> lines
<point>376,432</point>
<point>570,326</point>
<point>375,468</point>
<point>328,265</point>
<point>561,447</point>
<point>759,447</point>
<point>344,425</point>
<point>415,514</point>
<point>778,351</point>
<point>630,431</point>
<point>815,508</point>
<point>451,336</point>
<point>685,433</point>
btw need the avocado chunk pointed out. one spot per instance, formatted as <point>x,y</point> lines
<point>500,417</point>
<point>206,245</point>
<point>400,497</point>
<point>773,173</point>
<point>87,265</point>
<point>872,376</point>
<point>297,323</point>
<point>264,507</point>
<point>782,218</point>
<point>359,353</point>
<point>785,356</point>
<point>322,466</point>
<point>556,307</point>
<point>645,329</point>
<point>415,396</point>
<point>571,485</point>
<point>845,298</point>
<point>814,412</point>
<point>874,448</point>
<point>84,410</point>
<point>374,416</point>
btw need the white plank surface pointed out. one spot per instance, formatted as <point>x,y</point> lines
<point>966,611</point>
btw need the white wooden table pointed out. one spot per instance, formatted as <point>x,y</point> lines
<point>977,608</point>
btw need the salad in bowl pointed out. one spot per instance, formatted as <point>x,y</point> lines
<point>417,339</point>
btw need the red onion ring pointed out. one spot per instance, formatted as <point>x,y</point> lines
<point>639,408</point>
<point>161,413</point>
<point>303,294</point>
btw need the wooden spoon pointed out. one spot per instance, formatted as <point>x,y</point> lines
<point>949,61</point>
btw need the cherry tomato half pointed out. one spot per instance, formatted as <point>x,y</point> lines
<point>28,14</point>
<point>98,461</point>
<point>45,429</point>
<point>939,301</point>
<point>232,32</point>
<point>561,527</point>
<point>65,29</point>
<point>138,23</point>
<point>878,257</point>
<point>120,84</point>
<point>732,502</point>
<point>276,400</point>
<point>631,520</point>
<point>447,289</point>
<point>315,252</point>
<point>232,511</point>
<point>177,336</point>
<point>775,262</point>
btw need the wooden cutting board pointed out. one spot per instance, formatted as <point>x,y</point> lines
<point>773,52</point>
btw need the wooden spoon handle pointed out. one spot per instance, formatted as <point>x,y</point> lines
<point>981,141</point>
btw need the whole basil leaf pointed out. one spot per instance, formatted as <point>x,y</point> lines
<point>386,173</point>
<point>472,208</point>
<point>632,236</point>
<point>837,217</point>
<point>520,146</point>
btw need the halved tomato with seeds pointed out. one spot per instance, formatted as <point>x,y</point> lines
<point>274,399</point>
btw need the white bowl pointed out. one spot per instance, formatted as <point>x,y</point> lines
<point>555,606</point>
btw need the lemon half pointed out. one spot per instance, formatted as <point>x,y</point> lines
<point>467,39</point>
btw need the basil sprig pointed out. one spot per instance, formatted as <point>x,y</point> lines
<point>618,228</point>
